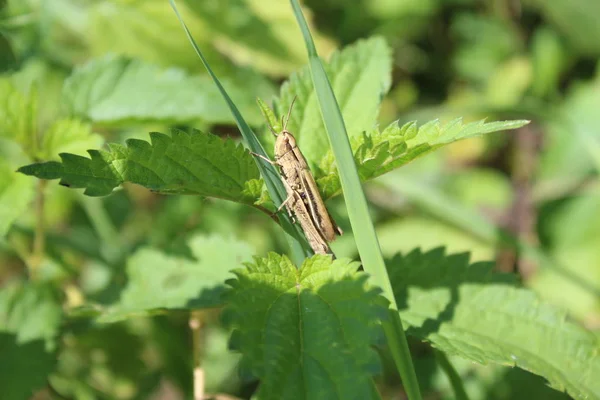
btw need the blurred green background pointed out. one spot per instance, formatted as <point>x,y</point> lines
<point>529,199</point>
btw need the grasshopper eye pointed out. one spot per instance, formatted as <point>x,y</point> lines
<point>290,138</point>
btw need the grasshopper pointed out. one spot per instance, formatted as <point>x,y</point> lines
<point>303,200</point>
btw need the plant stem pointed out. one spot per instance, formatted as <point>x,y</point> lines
<point>521,218</point>
<point>112,247</point>
<point>453,377</point>
<point>39,238</point>
<point>195,323</point>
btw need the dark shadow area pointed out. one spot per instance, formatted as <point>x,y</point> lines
<point>24,367</point>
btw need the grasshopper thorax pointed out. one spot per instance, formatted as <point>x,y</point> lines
<point>284,143</point>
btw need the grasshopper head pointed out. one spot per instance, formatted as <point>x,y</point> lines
<point>285,142</point>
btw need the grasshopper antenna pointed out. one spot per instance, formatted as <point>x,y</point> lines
<point>287,119</point>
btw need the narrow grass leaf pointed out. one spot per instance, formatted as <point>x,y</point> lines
<point>364,231</point>
<point>298,243</point>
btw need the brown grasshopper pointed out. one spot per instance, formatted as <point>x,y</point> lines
<point>303,200</point>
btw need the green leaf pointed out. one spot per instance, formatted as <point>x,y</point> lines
<point>508,84</point>
<point>116,352</point>
<point>495,382</point>
<point>582,34</point>
<point>219,362</point>
<point>573,230</point>
<point>116,90</point>
<point>157,281</point>
<point>260,33</point>
<point>18,113</point>
<point>360,75</point>
<point>24,367</point>
<point>182,163</point>
<point>269,115</point>
<point>470,311</point>
<point>16,193</point>
<point>141,29</point>
<point>68,136</point>
<point>404,234</point>
<point>31,311</point>
<point>572,147</point>
<point>306,333</point>
<point>483,42</point>
<point>382,151</point>
<point>549,58</point>
<point>480,189</point>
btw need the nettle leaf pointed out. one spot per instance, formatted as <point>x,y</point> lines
<point>468,310</point>
<point>573,229</point>
<point>261,33</point>
<point>306,333</point>
<point>18,113</point>
<point>16,192</point>
<point>379,152</point>
<point>68,135</point>
<point>31,311</point>
<point>360,75</point>
<point>117,90</point>
<point>182,163</point>
<point>30,317</point>
<point>157,281</point>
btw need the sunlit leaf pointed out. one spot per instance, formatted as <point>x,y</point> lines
<point>360,76</point>
<point>182,163</point>
<point>117,90</point>
<point>576,20</point>
<point>572,142</point>
<point>31,311</point>
<point>260,33</point>
<point>68,136</point>
<point>379,152</point>
<point>306,333</point>
<point>573,229</point>
<point>157,281</point>
<point>17,114</point>
<point>468,310</point>
<point>16,192</point>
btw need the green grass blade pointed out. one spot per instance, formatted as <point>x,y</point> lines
<point>298,245</point>
<point>364,231</point>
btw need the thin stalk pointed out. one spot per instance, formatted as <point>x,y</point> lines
<point>195,323</point>
<point>455,380</point>
<point>358,212</point>
<point>109,235</point>
<point>39,238</point>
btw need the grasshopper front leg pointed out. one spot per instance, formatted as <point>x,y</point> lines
<point>264,158</point>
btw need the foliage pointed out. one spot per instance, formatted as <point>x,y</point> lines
<point>119,291</point>
<point>305,333</point>
<point>119,90</point>
<point>30,315</point>
<point>182,163</point>
<point>468,310</point>
<point>157,281</point>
